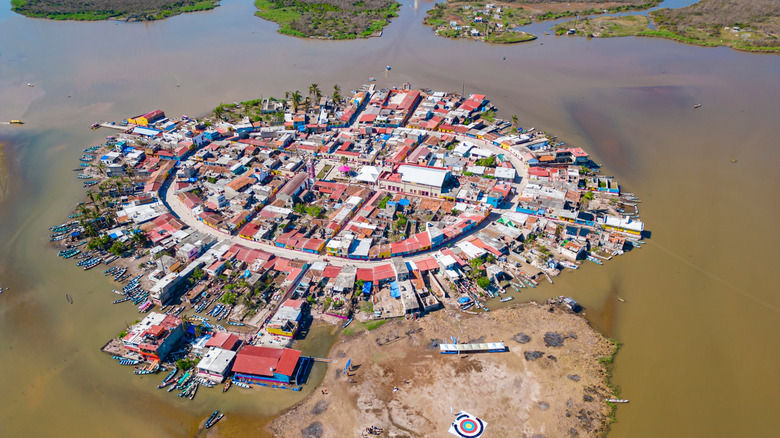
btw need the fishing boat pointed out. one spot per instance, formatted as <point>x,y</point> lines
<point>128,362</point>
<point>17,122</point>
<point>594,260</point>
<point>504,300</point>
<point>168,379</point>
<point>141,371</point>
<point>621,300</point>
<point>347,323</point>
<point>617,400</point>
<point>227,385</point>
<point>194,389</point>
<point>121,300</point>
<point>571,304</point>
<point>68,297</point>
<point>216,416</point>
<point>241,384</point>
<point>235,323</point>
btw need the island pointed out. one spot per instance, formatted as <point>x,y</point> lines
<point>409,219</point>
<point>497,22</point>
<point>329,19</point>
<point>138,10</point>
<point>748,26</point>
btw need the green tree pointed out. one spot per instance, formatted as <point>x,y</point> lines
<point>314,91</point>
<point>483,282</point>
<point>514,121</point>
<point>229,298</point>
<point>219,111</point>
<point>336,93</point>
<point>296,100</point>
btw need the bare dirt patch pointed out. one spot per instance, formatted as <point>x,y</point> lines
<point>408,389</point>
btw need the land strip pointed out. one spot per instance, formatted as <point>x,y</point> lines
<point>329,19</point>
<point>94,10</point>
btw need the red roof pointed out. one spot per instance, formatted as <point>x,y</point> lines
<point>223,340</point>
<point>384,272</point>
<point>296,304</point>
<point>365,274</point>
<point>426,264</point>
<point>260,360</point>
<point>331,271</point>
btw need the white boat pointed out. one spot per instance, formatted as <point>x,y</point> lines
<point>617,400</point>
<point>504,300</point>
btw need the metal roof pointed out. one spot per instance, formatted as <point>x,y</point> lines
<point>423,175</point>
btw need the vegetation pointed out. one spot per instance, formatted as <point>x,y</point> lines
<point>483,282</point>
<point>751,26</point>
<point>185,364</point>
<point>497,22</point>
<point>229,298</point>
<point>330,19</point>
<point>487,162</point>
<point>359,327</point>
<point>92,10</point>
<point>604,27</point>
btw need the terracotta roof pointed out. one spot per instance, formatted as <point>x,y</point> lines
<point>260,360</point>
<point>223,340</point>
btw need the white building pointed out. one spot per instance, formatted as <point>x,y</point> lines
<point>216,364</point>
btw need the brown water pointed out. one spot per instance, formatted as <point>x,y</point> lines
<point>702,311</point>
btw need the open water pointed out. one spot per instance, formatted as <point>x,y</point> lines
<point>702,312</point>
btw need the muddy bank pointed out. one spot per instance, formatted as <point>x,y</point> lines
<point>549,383</point>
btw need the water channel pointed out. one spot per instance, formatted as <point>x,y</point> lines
<point>701,317</point>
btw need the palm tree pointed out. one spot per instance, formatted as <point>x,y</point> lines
<point>514,120</point>
<point>91,196</point>
<point>296,100</point>
<point>101,167</point>
<point>219,111</point>
<point>336,93</point>
<point>314,90</point>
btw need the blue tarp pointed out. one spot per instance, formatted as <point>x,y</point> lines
<point>395,291</point>
<point>247,273</point>
<point>464,300</point>
<point>404,202</point>
<point>367,288</point>
<point>76,233</point>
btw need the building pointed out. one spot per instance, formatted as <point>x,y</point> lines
<point>290,190</point>
<point>272,365</point>
<point>285,321</point>
<point>417,180</point>
<point>215,365</point>
<point>155,336</point>
<point>225,341</point>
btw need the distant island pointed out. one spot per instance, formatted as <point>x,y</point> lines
<point>749,26</point>
<point>329,19</point>
<point>497,22</point>
<point>95,10</point>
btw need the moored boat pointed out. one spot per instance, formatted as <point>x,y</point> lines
<point>504,300</point>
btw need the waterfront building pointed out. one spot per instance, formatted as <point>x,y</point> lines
<point>216,364</point>
<point>155,336</point>
<point>272,365</point>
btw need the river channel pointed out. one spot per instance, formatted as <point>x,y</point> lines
<point>701,314</point>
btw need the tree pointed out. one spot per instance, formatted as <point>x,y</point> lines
<point>483,282</point>
<point>314,91</point>
<point>219,110</point>
<point>296,100</point>
<point>229,298</point>
<point>101,167</point>
<point>336,93</point>
<point>514,121</point>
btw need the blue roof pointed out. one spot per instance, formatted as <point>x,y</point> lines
<point>395,291</point>
<point>104,157</point>
<point>404,202</point>
<point>464,300</point>
<point>367,288</point>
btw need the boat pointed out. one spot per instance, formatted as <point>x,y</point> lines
<point>68,297</point>
<point>194,390</point>
<point>372,79</point>
<point>17,122</point>
<point>128,362</point>
<point>235,323</point>
<point>241,384</point>
<point>347,323</point>
<point>169,378</point>
<point>571,304</point>
<point>617,400</point>
<point>698,105</point>
<point>621,300</point>
<point>504,300</point>
<point>121,300</point>
<point>227,385</point>
<point>594,260</point>
<point>141,371</point>
<point>214,419</point>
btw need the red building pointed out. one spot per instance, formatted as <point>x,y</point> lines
<point>154,337</point>
<point>266,364</point>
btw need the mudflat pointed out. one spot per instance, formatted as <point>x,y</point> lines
<point>552,381</point>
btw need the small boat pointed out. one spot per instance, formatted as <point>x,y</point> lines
<point>194,390</point>
<point>504,300</point>
<point>17,122</point>
<point>128,362</point>
<point>347,323</point>
<point>227,385</point>
<point>621,300</point>
<point>372,79</point>
<point>141,371</point>
<point>69,298</point>
<point>698,105</point>
<point>241,384</point>
<point>235,323</point>
<point>594,260</point>
<point>617,400</point>
<point>214,419</point>
<point>571,304</point>
<point>121,300</point>
<point>388,68</point>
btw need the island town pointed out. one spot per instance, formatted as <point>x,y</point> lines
<point>231,232</point>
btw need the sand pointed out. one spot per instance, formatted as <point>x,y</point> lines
<point>532,390</point>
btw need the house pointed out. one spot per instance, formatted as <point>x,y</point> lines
<point>285,321</point>
<point>273,365</point>
<point>215,365</point>
<point>155,336</point>
<point>225,341</point>
<point>572,250</point>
